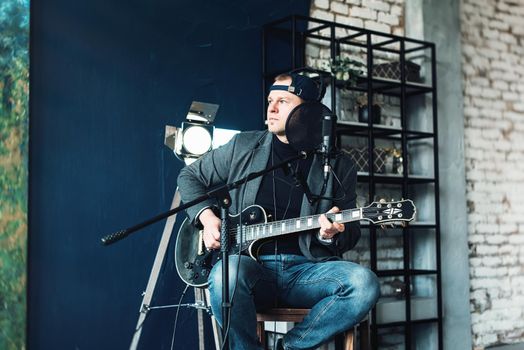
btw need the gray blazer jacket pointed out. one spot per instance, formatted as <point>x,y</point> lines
<point>249,152</point>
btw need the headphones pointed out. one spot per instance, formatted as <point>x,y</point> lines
<point>318,76</point>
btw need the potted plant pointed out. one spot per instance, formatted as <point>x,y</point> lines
<point>362,105</point>
<point>346,69</point>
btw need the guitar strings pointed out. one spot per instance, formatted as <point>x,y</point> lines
<point>234,233</point>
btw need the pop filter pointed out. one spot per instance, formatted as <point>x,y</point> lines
<point>304,126</point>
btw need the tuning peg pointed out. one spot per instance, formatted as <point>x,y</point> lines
<point>392,225</point>
<point>382,200</point>
<point>383,226</point>
<point>404,224</point>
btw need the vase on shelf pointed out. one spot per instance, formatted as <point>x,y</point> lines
<point>363,112</point>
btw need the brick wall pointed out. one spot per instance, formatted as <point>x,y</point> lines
<point>493,69</point>
<point>383,16</point>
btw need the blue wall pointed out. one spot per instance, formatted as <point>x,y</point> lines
<point>106,77</point>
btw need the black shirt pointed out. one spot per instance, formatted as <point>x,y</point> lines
<point>281,196</point>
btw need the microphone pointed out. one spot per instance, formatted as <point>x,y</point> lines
<point>328,139</point>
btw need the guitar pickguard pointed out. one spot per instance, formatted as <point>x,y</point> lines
<point>193,262</point>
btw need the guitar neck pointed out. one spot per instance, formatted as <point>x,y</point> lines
<point>288,226</point>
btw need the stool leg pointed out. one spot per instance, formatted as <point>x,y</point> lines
<point>364,335</point>
<point>349,339</point>
<point>261,333</point>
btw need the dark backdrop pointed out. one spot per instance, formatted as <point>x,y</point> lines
<point>106,77</point>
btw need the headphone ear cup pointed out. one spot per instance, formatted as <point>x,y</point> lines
<point>324,79</point>
<point>321,89</point>
<point>319,77</point>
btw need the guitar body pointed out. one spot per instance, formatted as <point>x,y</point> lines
<point>194,263</point>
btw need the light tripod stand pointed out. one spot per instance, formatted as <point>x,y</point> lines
<point>200,299</point>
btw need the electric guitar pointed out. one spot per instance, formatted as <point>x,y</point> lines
<point>193,262</point>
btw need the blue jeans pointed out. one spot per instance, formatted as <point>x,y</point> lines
<point>339,293</point>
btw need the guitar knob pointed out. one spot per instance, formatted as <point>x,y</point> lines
<point>188,265</point>
<point>205,272</point>
<point>198,263</point>
<point>192,275</point>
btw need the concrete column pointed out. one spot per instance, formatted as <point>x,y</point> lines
<point>438,21</point>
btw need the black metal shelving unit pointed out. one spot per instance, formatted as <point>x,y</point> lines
<point>409,313</point>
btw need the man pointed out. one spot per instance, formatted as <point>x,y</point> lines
<point>299,270</point>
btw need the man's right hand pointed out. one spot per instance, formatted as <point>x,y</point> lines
<point>211,225</point>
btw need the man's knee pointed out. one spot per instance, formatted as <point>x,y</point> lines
<point>358,282</point>
<point>240,273</point>
<point>364,284</point>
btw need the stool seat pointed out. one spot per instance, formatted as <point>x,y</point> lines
<point>282,314</point>
<point>297,315</point>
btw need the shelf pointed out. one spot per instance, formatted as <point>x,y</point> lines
<point>366,125</point>
<point>298,24</point>
<point>422,224</point>
<point>401,272</point>
<point>345,127</point>
<point>390,310</point>
<point>412,224</point>
<point>403,323</point>
<point>362,129</point>
<point>386,86</point>
<point>394,178</point>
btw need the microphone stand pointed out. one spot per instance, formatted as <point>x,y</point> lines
<point>221,194</point>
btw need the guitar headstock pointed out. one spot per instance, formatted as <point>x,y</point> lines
<point>390,212</point>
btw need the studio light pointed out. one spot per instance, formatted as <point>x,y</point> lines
<point>194,140</point>
<point>197,135</point>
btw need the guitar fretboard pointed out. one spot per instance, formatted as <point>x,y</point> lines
<point>283,227</point>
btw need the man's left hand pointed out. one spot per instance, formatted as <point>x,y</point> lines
<point>329,229</point>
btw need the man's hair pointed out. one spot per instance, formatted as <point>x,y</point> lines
<point>283,76</point>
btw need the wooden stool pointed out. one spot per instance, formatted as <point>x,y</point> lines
<point>297,315</point>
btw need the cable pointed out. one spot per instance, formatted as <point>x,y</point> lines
<point>176,316</point>
<point>321,195</point>
<point>340,185</point>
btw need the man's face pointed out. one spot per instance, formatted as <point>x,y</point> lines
<point>280,103</point>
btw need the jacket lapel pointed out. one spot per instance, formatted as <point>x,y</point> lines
<point>315,181</point>
<point>258,163</point>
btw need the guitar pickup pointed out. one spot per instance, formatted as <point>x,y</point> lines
<point>200,242</point>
